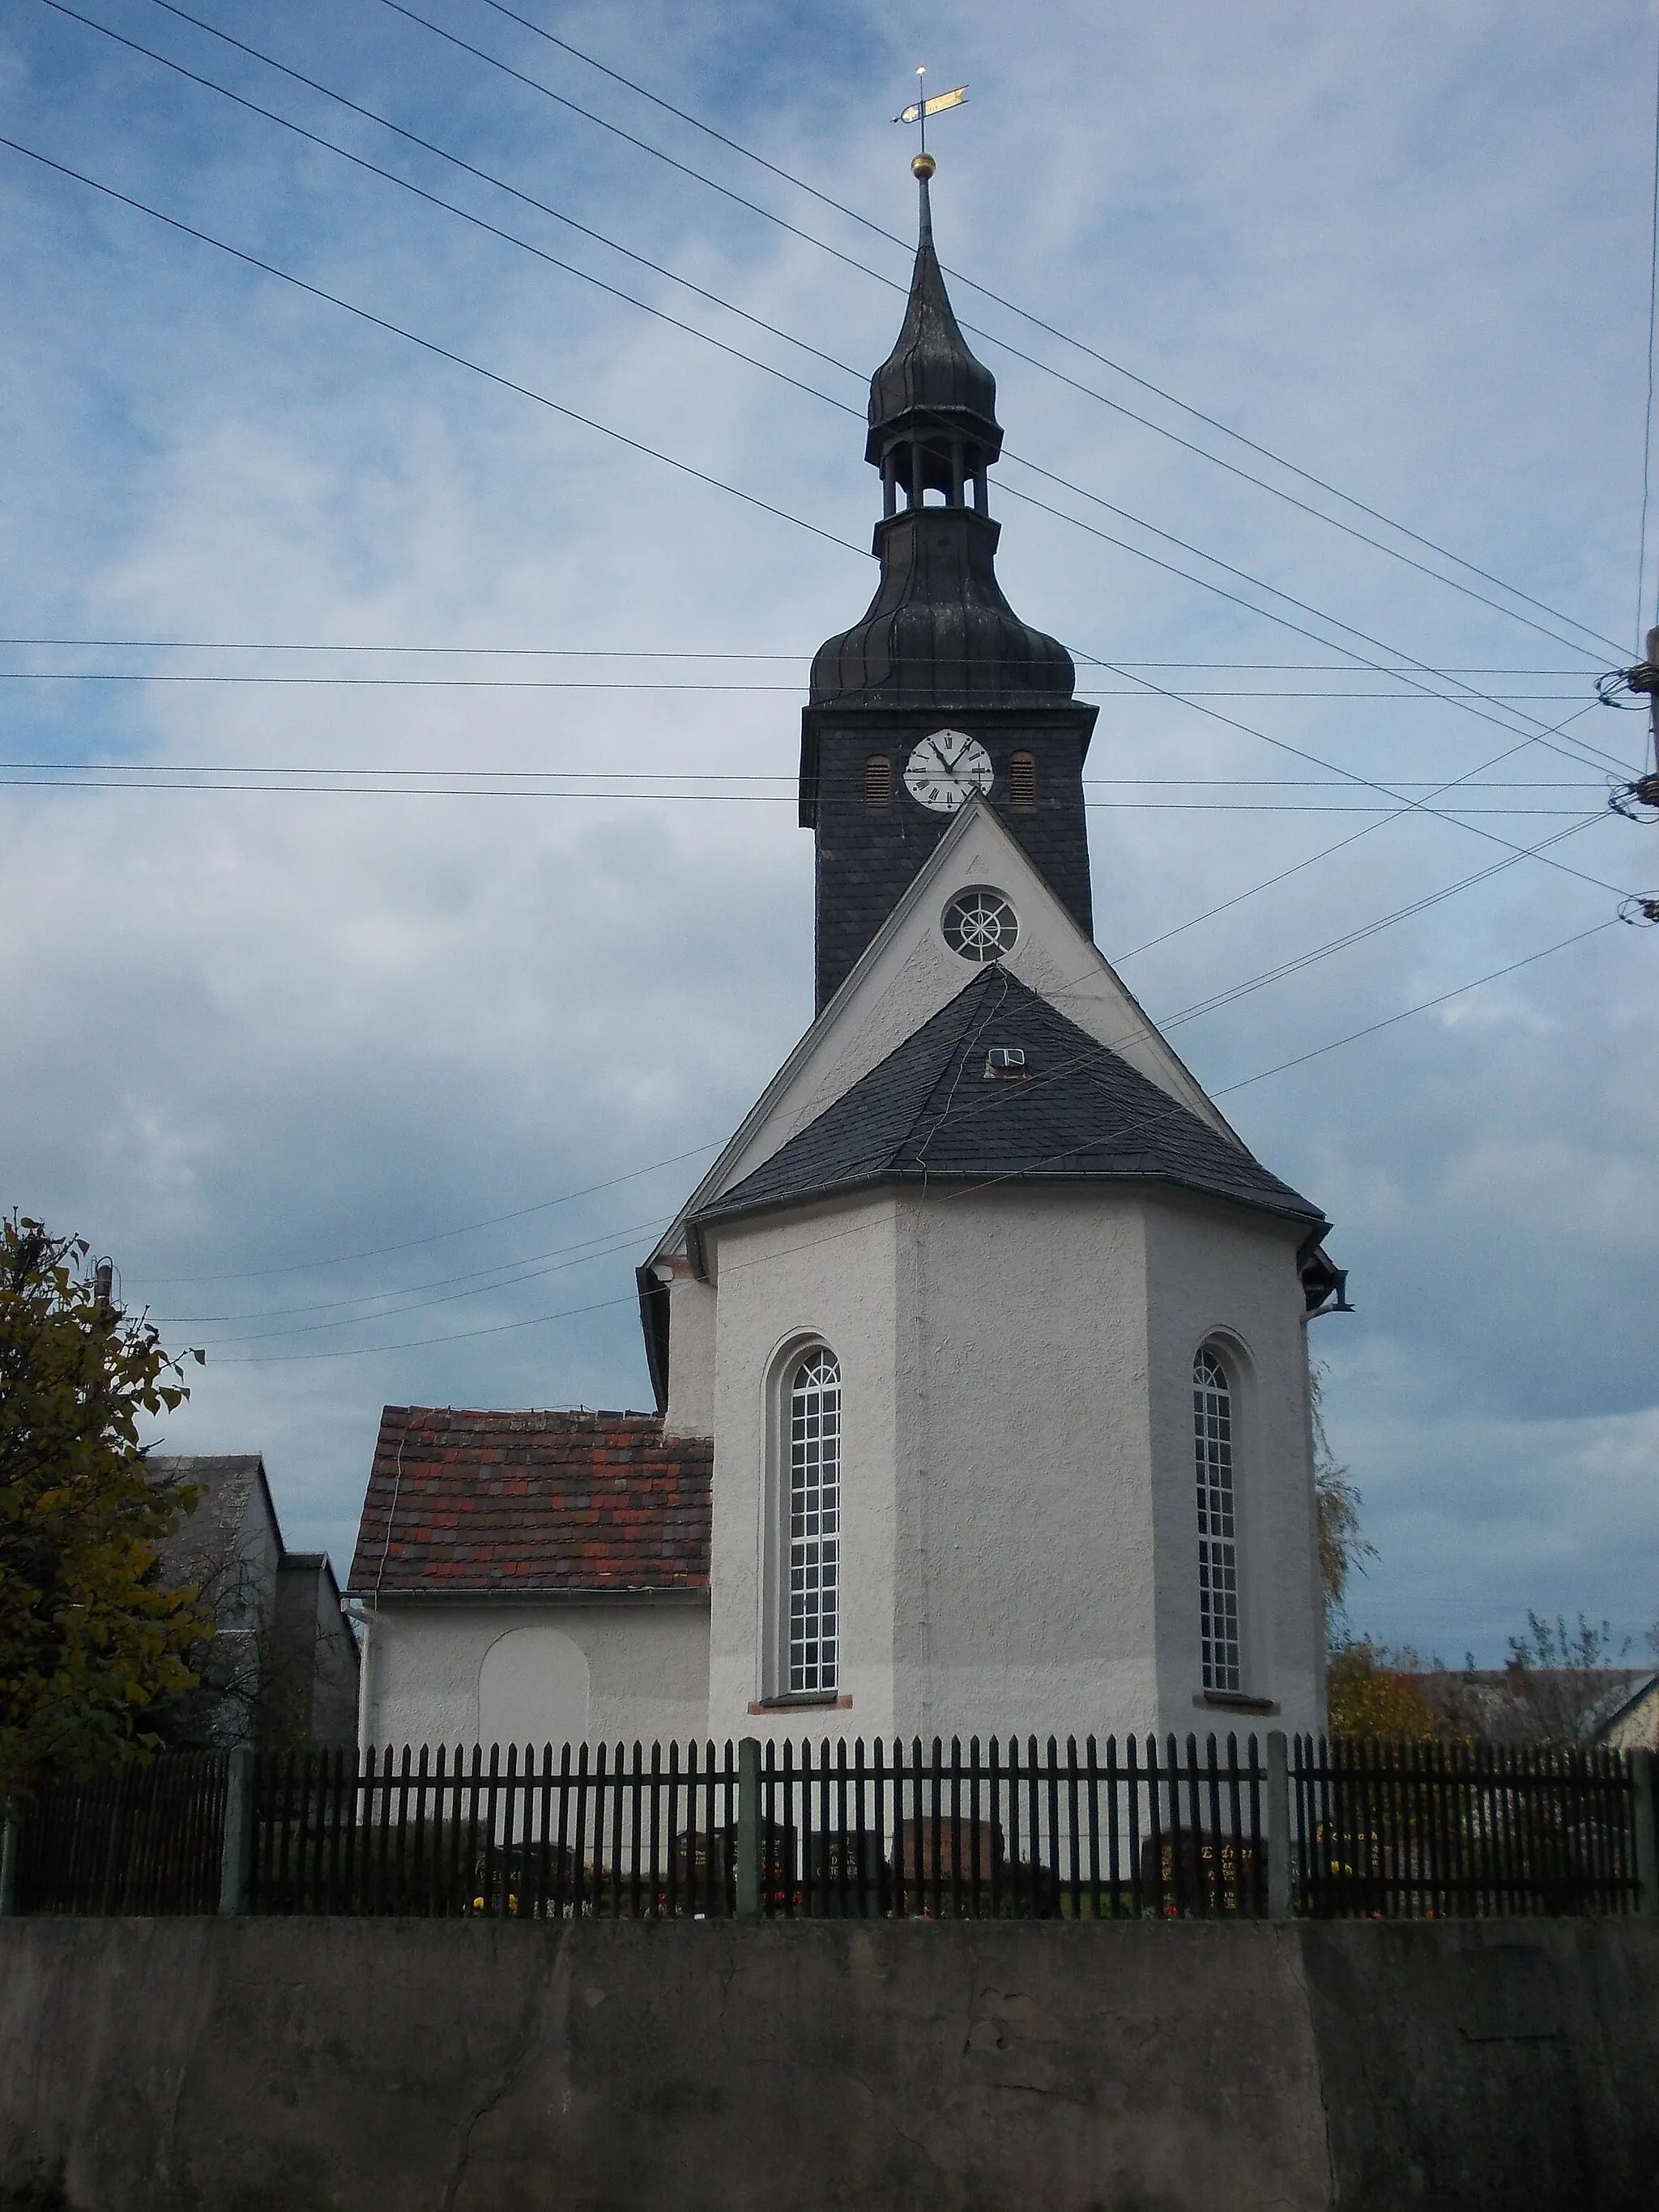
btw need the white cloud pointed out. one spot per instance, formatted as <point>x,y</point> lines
<point>245,1031</point>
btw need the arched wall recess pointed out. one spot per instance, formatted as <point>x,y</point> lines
<point>533,1688</point>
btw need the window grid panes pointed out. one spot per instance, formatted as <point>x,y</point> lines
<point>814,1521</point>
<point>1218,1539</point>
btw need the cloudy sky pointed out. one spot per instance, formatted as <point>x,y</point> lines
<point>376,1081</point>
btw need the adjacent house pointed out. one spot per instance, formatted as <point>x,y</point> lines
<point>281,1669</point>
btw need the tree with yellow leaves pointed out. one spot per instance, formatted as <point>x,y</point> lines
<point>89,1641</point>
<point>1369,1696</point>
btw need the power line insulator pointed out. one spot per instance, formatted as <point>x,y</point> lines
<point>1640,682</point>
<point>1640,909</point>
<point>1637,801</point>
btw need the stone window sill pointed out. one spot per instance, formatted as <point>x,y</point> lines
<point>825,1700</point>
<point>1234,1701</point>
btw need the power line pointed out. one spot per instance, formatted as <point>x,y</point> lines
<point>629,442</point>
<point>509,238</point>
<point>430,345</point>
<point>418,1343</point>
<point>1012,307</point>
<point>670,652</point>
<point>456,161</point>
<point>639,683</point>
<point>1148,1031</point>
<point>710,798</point>
<point>1469,776</point>
<point>439,1236</point>
<point>608,1250</point>
<point>1434,786</point>
<point>622,437</point>
<point>507,1270</point>
<point>1465,704</point>
<point>364,1352</point>
<point>1421,1007</point>
<point>1353,775</point>
<point>390,176</point>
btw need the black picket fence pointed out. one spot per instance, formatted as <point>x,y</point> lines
<point>1016,1830</point>
<point>1430,1831</point>
<point>140,1839</point>
<point>788,1830</point>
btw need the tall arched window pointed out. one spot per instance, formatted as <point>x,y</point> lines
<point>1217,1536</point>
<point>1022,779</point>
<point>878,783</point>
<point>814,1521</point>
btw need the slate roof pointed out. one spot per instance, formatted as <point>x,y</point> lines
<point>1080,1113</point>
<point>462,1502</point>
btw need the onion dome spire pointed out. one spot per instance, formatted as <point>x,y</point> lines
<point>939,632</point>
<point>932,406</point>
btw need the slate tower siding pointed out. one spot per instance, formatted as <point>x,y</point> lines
<point>868,860</point>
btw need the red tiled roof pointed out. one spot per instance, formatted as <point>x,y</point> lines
<point>527,1502</point>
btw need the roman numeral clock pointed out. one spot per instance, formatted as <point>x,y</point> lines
<point>945,770</point>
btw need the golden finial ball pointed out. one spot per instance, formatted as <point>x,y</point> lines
<point>923,166</point>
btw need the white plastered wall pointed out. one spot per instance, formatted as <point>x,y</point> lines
<point>614,1672</point>
<point>824,1273</point>
<point>1019,1524</point>
<point>1223,1276</point>
<point>1026,1586</point>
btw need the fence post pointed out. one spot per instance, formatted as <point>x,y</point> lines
<point>236,1859</point>
<point>1647,1842</point>
<point>1278,1827</point>
<point>9,1840</point>
<point>749,1829</point>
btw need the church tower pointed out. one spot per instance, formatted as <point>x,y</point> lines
<point>939,691</point>
<point>995,1325</point>
<point>979,1351</point>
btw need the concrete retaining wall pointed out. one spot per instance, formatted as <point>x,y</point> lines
<point>271,2066</point>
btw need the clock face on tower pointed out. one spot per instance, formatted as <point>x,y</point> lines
<point>945,771</point>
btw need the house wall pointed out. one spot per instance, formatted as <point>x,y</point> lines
<point>1222,1275</point>
<point>603,1671</point>
<point>312,1690</point>
<point>1018,1531</point>
<point>334,1682</point>
<point>1025,1591</point>
<point>1637,1726</point>
<point>691,1408</point>
<point>821,1272</point>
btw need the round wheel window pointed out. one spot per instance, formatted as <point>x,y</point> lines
<point>980,925</point>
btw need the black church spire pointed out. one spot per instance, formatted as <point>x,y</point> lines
<point>938,631</point>
<point>932,406</point>
<point>937,642</point>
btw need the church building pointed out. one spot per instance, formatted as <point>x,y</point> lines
<point>979,1352</point>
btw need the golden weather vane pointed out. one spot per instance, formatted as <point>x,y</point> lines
<point>919,111</point>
